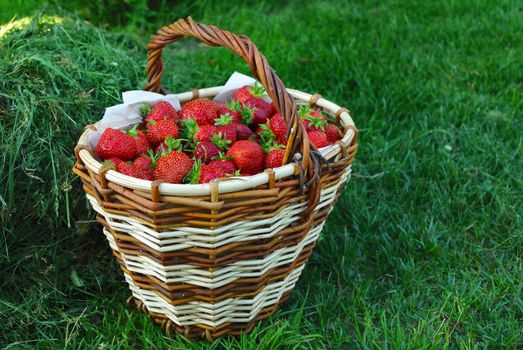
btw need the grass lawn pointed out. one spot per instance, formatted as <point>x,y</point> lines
<point>424,249</point>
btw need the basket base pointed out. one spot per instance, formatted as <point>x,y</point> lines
<point>201,331</point>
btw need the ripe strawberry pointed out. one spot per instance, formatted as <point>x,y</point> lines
<point>172,167</point>
<point>134,171</point>
<point>208,173</point>
<point>318,138</point>
<point>117,144</point>
<point>142,145</point>
<point>305,123</point>
<point>205,151</point>
<point>224,126</point>
<point>143,162</point>
<point>312,120</point>
<point>279,129</point>
<point>228,132</point>
<point>246,92</point>
<point>201,109</point>
<point>333,133</point>
<point>158,131</point>
<point>235,114</point>
<point>162,110</point>
<point>224,163</point>
<point>243,132</point>
<point>248,157</point>
<point>164,107</point>
<point>274,158</point>
<point>202,173</point>
<point>205,132</point>
<point>262,109</point>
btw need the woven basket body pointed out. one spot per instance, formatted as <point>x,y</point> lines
<point>213,259</point>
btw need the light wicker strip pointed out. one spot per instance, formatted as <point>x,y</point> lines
<point>237,310</point>
<point>186,237</point>
<point>189,274</point>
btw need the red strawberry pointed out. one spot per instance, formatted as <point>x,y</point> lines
<point>205,132</point>
<point>166,108</point>
<point>208,173</point>
<point>224,126</point>
<point>228,132</point>
<point>205,151</point>
<point>225,163</point>
<point>158,131</point>
<point>312,120</point>
<point>142,145</point>
<point>201,109</point>
<point>172,167</point>
<point>243,132</point>
<point>318,138</point>
<point>262,109</point>
<point>131,170</point>
<point>162,110</point>
<point>246,92</point>
<point>279,129</point>
<point>248,156</point>
<point>305,123</point>
<point>274,158</point>
<point>333,133</point>
<point>125,168</point>
<point>143,162</point>
<point>117,144</point>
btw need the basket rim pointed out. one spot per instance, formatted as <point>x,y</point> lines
<point>235,183</point>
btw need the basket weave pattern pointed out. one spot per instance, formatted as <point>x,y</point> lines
<point>210,260</point>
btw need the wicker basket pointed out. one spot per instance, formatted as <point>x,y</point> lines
<point>213,259</point>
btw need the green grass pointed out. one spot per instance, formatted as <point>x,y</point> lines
<point>424,249</point>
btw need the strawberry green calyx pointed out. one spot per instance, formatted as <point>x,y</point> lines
<point>316,122</point>
<point>109,164</point>
<point>237,172</point>
<point>134,131</point>
<point>145,110</point>
<point>256,90</point>
<point>174,144</point>
<point>154,157</point>
<point>234,106</point>
<point>225,119</point>
<point>304,111</point>
<point>194,175</point>
<point>267,137</point>
<point>220,141</point>
<point>247,115</point>
<point>188,128</point>
<point>222,156</point>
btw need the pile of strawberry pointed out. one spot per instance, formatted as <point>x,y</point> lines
<point>208,140</point>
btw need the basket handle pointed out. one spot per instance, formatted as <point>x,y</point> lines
<point>242,46</point>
